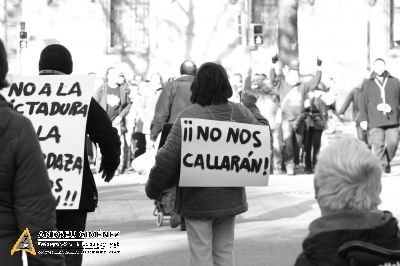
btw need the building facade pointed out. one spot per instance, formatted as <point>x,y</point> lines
<point>147,36</point>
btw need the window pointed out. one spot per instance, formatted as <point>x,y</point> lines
<point>394,23</point>
<point>129,26</point>
<point>265,12</point>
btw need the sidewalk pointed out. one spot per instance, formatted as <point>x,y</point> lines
<point>270,233</point>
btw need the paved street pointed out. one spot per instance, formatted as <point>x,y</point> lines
<point>270,233</point>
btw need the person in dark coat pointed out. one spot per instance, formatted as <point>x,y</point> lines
<point>209,211</point>
<point>26,200</point>
<point>379,112</point>
<point>347,189</point>
<point>354,98</point>
<point>316,113</point>
<point>56,59</point>
<point>174,97</point>
<point>292,94</point>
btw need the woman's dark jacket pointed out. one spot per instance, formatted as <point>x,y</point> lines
<point>26,200</point>
<point>199,202</point>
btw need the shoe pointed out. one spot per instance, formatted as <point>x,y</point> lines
<point>387,169</point>
<point>289,170</point>
<point>308,171</point>
<point>183,224</point>
<point>277,171</point>
<point>175,220</point>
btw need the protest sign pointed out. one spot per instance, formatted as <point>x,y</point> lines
<point>224,154</point>
<point>58,106</point>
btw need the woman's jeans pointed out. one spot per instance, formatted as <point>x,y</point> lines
<point>211,241</point>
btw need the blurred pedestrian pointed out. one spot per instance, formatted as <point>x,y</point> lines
<point>26,200</point>
<point>55,59</point>
<point>268,104</point>
<point>174,97</point>
<point>379,112</point>
<point>347,189</point>
<point>209,211</point>
<point>316,113</point>
<point>237,87</point>
<point>354,98</point>
<point>292,92</point>
<point>119,121</point>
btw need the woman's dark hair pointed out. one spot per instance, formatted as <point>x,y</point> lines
<point>3,66</point>
<point>211,85</point>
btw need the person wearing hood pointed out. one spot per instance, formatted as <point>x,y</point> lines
<point>379,112</point>
<point>292,93</point>
<point>347,189</point>
<point>55,59</point>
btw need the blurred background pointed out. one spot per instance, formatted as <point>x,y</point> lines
<point>142,37</point>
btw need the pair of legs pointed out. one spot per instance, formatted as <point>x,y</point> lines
<point>211,241</point>
<point>72,220</point>
<point>312,147</point>
<point>384,141</point>
<point>292,138</point>
<point>124,148</point>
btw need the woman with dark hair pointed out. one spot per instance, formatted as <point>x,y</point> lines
<point>209,211</point>
<point>26,200</point>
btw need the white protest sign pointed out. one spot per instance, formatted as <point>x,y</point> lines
<point>224,154</point>
<point>58,106</point>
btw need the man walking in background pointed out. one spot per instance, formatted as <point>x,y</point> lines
<point>379,112</point>
<point>174,97</point>
<point>55,59</point>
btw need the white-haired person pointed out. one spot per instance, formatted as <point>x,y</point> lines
<point>347,186</point>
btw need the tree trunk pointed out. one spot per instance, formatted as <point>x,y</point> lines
<point>287,31</point>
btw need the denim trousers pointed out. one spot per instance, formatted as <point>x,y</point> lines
<point>384,141</point>
<point>211,241</point>
<point>312,146</point>
<point>292,142</point>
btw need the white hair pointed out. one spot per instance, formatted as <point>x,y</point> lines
<point>347,176</point>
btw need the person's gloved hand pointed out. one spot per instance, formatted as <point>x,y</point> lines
<point>319,62</point>
<point>275,59</point>
<point>248,98</point>
<point>364,125</point>
<point>107,174</point>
